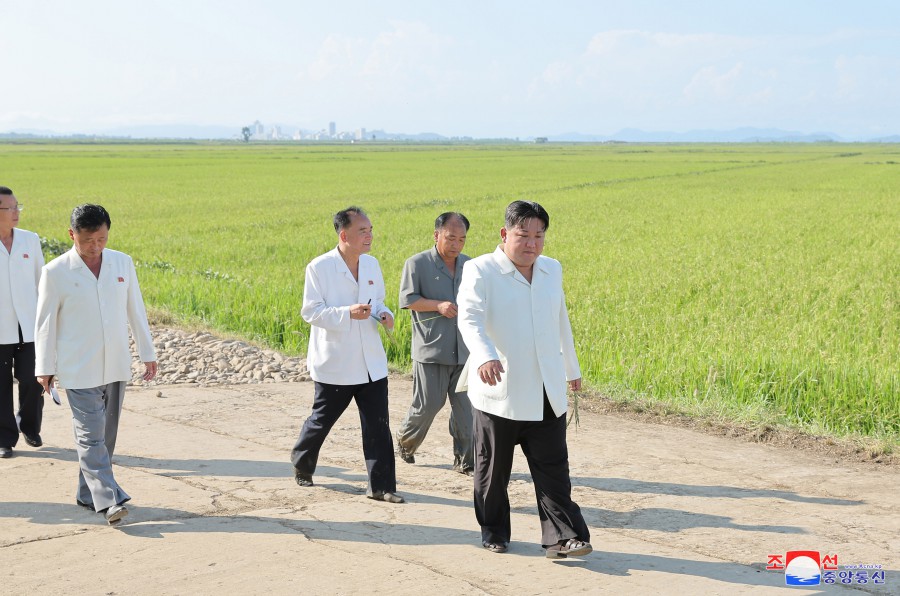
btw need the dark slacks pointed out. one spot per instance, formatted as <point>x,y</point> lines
<point>17,360</point>
<point>329,403</point>
<point>544,446</point>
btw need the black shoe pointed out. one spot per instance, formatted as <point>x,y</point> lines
<point>405,455</point>
<point>81,503</point>
<point>302,478</point>
<point>496,547</point>
<point>463,470</point>
<point>34,441</point>
<point>6,452</point>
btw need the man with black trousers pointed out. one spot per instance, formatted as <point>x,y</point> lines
<point>343,301</point>
<point>513,318</point>
<point>20,270</point>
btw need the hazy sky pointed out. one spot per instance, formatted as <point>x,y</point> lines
<point>479,68</point>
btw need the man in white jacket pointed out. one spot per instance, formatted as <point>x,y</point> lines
<point>343,301</point>
<point>87,300</point>
<point>513,318</point>
<point>20,269</point>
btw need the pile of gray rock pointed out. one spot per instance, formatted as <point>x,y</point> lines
<point>204,359</point>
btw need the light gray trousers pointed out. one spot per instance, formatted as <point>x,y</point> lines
<point>95,418</point>
<point>433,384</point>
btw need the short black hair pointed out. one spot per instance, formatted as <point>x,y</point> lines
<point>519,211</point>
<point>89,217</point>
<point>444,218</point>
<point>342,217</point>
<point>5,190</point>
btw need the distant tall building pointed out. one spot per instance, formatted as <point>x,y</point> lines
<point>360,134</point>
<point>258,129</point>
<point>332,129</point>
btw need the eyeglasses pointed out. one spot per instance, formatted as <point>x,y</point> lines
<point>17,207</point>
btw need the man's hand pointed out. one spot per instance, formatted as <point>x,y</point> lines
<point>575,384</point>
<point>448,309</point>
<point>150,369</point>
<point>387,320</point>
<point>490,372</point>
<point>360,312</point>
<point>44,381</point>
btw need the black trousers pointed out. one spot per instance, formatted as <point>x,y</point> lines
<point>19,358</point>
<point>544,446</point>
<point>329,403</point>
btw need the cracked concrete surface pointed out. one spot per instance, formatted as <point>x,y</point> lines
<point>215,509</point>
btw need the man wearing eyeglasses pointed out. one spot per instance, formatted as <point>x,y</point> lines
<point>88,299</point>
<point>20,269</point>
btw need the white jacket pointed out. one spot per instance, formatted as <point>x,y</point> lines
<point>81,334</point>
<point>524,326</point>
<point>20,270</point>
<point>343,351</point>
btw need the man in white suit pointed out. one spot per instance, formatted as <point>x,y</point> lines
<point>343,301</point>
<point>20,268</point>
<point>513,318</point>
<point>87,300</point>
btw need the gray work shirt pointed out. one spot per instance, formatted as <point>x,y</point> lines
<point>434,341</point>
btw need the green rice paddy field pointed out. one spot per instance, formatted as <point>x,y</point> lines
<point>760,282</point>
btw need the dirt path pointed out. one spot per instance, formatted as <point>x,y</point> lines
<point>215,509</point>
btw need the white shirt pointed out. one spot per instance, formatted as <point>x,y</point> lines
<point>523,325</point>
<point>343,351</point>
<point>81,333</point>
<point>20,270</point>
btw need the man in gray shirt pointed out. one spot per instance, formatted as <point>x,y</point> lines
<point>428,289</point>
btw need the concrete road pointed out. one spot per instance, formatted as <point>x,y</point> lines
<point>215,510</point>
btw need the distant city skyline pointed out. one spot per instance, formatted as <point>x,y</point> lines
<point>468,69</point>
<point>284,133</point>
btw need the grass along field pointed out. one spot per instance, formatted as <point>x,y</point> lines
<point>760,282</point>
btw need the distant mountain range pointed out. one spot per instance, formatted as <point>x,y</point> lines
<point>175,131</point>
<point>626,135</point>
<point>737,135</point>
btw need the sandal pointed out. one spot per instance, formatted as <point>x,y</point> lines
<point>568,548</point>
<point>387,497</point>
<point>496,547</point>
